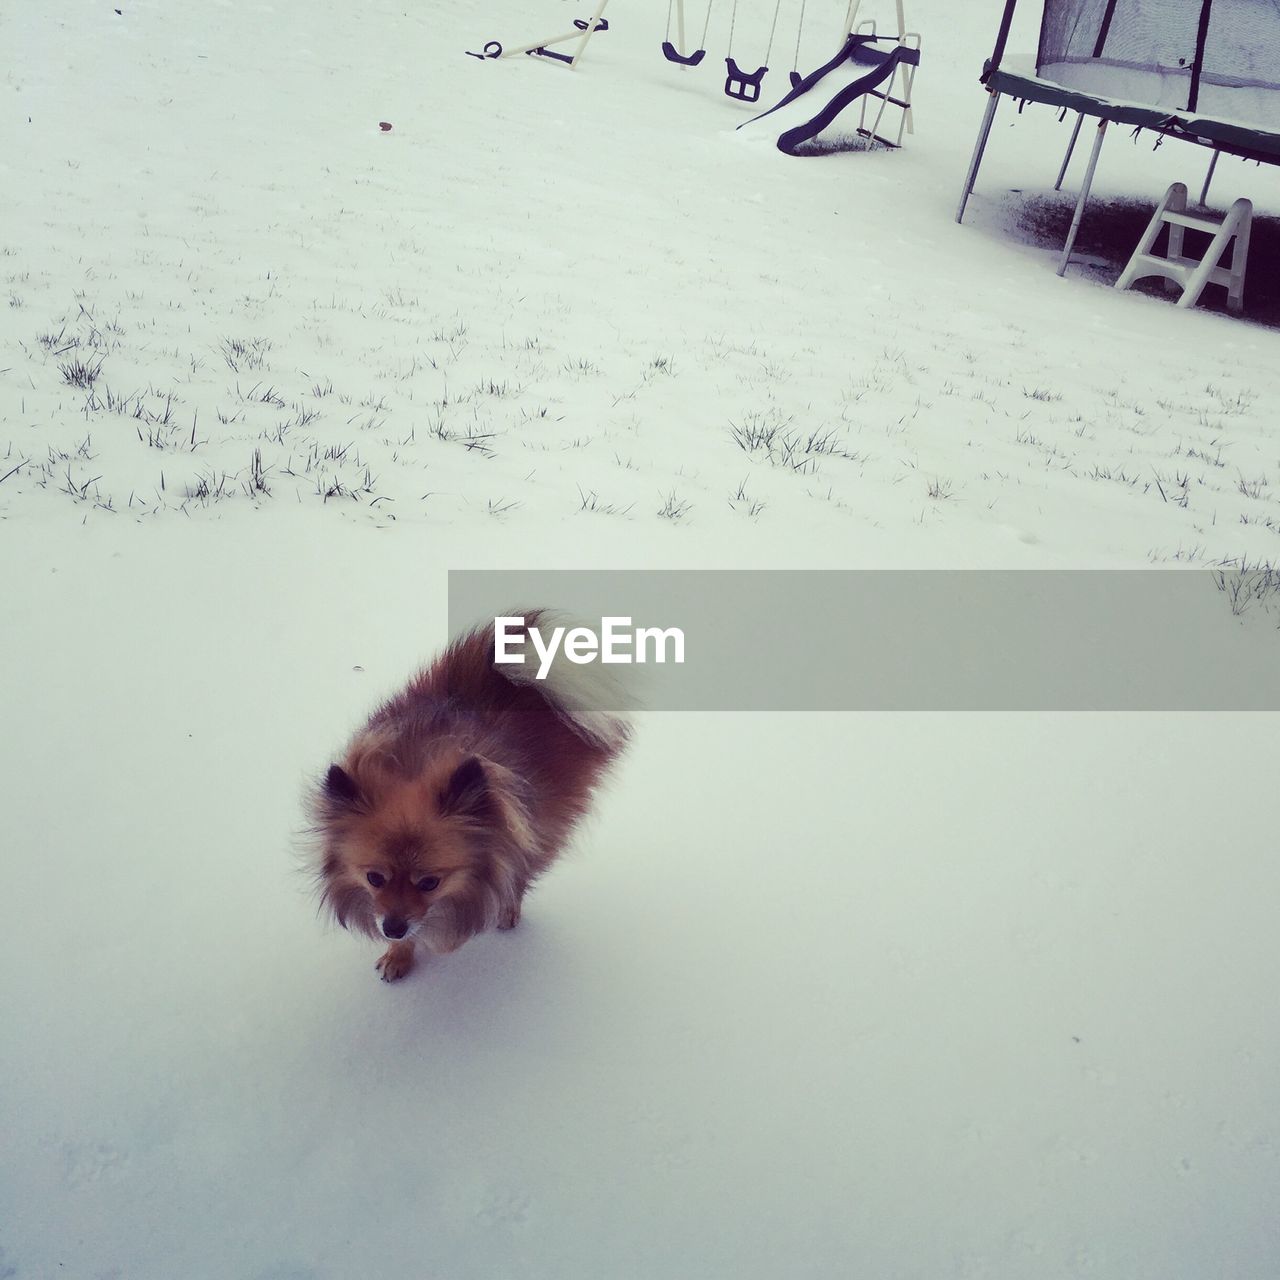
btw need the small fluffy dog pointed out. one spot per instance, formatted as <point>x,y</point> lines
<point>457,794</point>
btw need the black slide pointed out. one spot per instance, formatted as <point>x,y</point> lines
<point>855,49</point>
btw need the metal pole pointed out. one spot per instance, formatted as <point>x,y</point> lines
<point>575,34</point>
<point>1208,178</point>
<point>1084,198</point>
<point>1071,146</point>
<point>1002,36</point>
<point>984,130</point>
<point>592,24</point>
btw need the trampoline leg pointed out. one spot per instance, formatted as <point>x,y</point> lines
<point>1084,198</point>
<point>1208,178</point>
<point>1071,146</point>
<point>984,131</point>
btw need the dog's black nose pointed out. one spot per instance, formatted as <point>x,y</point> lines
<point>394,928</point>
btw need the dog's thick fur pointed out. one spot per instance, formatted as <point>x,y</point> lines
<point>456,795</point>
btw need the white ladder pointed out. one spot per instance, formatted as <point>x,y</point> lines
<point>1192,274</point>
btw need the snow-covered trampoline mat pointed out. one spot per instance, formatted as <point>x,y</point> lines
<point>1204,70</point>
<point>1244,120</point>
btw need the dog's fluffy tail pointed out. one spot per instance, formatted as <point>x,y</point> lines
<point>587,695</point>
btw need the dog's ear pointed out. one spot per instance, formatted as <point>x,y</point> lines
<point>340,789</point>
<point>466,794</point>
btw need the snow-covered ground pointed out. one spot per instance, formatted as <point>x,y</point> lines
<point>885,995</point>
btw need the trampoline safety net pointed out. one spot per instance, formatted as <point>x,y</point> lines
<point>1193,45</point>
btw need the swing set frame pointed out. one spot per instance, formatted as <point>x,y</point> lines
<point>897,92</point>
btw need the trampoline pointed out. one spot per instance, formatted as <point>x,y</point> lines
<point>1202,71</point>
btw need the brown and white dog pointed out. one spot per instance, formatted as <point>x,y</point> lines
<point>457,794</point>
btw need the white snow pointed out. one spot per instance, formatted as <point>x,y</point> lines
<point>875,995</point>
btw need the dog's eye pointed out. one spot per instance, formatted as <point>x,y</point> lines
<point>375,879</point>
<point>427,883</point>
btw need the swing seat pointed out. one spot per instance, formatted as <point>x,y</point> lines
<point>672,54</point>
<point>738,84</point>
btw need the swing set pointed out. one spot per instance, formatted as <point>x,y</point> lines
<point>884,67</point>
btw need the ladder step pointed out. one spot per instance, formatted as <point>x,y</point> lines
<point>1153,266</point>
<point>1190,220</point>
<point>897,102</point>
<point>1177,269</point>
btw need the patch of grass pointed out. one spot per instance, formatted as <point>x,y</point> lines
<point>743,503</point>
<point>1179,490</point>
<point>673,506</point>
<point>1232,403</point>
<point>499,390</point>
<point>455,337</point>
<point>81,374</point>
<point>781,446</point>
<point>57,343</point>
<point>471,439</point>
<point>256,481</point>
<point>1246,588</point>
<point>1118,474</point>
<point>331,485</point>
<point>79,490</point>
<point>590,501</point>
<point>244,353</point>
<point>209,487</point>
<point>255,393</point>
<point>1214,459</point>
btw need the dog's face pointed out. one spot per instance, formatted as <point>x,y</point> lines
<point>398,847</point>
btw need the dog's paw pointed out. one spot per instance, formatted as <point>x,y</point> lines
<point>509,918</point>
<point>395,962</point>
